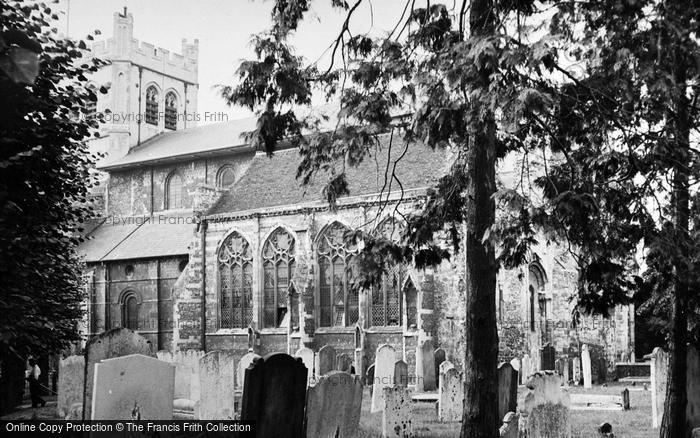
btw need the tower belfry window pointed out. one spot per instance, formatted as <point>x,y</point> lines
<point>152,105</point>
<point>171,111</point>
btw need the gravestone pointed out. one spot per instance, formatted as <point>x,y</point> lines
<point>333,406</point>
<point>693,387</point>
<point>439,359</point>
<point>450,396</point>
<point>509,428</point>
<point>384,362</point>
<point>525,369</point>
<point>217,377</point>
<point>547,356</point>
<point>515,363</point>
<point>625,394</point>
<point>110,344</point>
<point>659,376</point>
<point>586,365</point>
<point>307,356</point>
<point>71,378</point>
<point>396,419</point>
<point>243,364</point>
<point>343,362</point>
<point>446,365</point>
<point>274,396</point>
<point>400,373</point>
<point>577,371</point>
<point>133,386</point>
<point>186,372</point>
<point>566,370</point>
<point>425,366</point>
<point>546,406</point>
<point>507,389</point>
<point>325,360</point>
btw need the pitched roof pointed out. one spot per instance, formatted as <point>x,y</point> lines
<point>161,235</point>
<point>271,182</point>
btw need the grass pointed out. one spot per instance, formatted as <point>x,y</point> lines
<point>634,423</point>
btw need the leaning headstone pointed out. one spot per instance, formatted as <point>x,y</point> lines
<point>586,365</point>
<point>525,369</point>
<point>343,362</point>
<point>217,386</point>
<point>450,396</point>
<point>384,362</point>
<point>71,378</point>
<point>509,428</point>
<point>333,406</point>
<point>113,343</point>
<point>547,407</point>
<point>326,360</point>
<point>425,366</point>
<point>507,389</point>
<point>396,419</point>
<point>693,387</point>
<point>274,396</point>
<point>659,375</point>
<point>133,386</point>
<point>440,357</point>
<point>547,355</point>
<point>400,373</point>
<point>307,356</point>
<point>243,365</point>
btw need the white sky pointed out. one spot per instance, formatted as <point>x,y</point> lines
<point>223,28</point>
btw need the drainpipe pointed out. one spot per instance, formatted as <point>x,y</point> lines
<point>138,119</point>
<point>185,118</point>
<point>203,248</point>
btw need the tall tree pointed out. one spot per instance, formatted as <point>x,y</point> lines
<point>44,180</point>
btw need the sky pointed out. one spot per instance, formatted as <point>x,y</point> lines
<point>224,28</point>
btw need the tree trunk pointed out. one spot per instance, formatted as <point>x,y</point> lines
<point>481,336</point>
<point>673,424</point>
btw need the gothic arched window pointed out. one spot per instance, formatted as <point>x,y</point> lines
<point>171,111</point>
<point>536,282</point>
<point>336,266</point>
<point>130,311</point>
<point>225,176</point>
<point>387,298</point>
<point>152,105</point>
<point>173,192</point>
<point>235,282</point>
<point>278,270</point>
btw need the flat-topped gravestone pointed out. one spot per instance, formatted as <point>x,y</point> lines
<point>333,406</point>
<point>113,343</point>
<point>71,378</point>
<point>547,356</point>
<point>440,357</point>
<point>450,396</point>
<point>343,362</point>
<point>507,389</point>
<point>400,373</point>
<point>307,356</point>
<point>586,367</point>
<point>325,360</point>
<point>133,386</point>
<point>243,364</point>
<point>274,396</point>
<point>384,362</point>
<point>425,366</point>
<point>396,418</point>
<point>546,406</point>
<point>217,377</point>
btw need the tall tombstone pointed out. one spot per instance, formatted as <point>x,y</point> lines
<point>693,388</point>
<point>217,381</point>
<point>525,369</point>
<point>586,366</point>
<point>308,357</point>
<point>333,406</point>
<point>325,360</point>
<point>274,396</point>
<point>507,390</point>
<point>425,366</point>
<point>343,362</point>
<point>384,362</point>
<point>133,386</point>
<point>659,377</point>
<point>110,344</point>
<point>71,378</point>
<point>396,418</point>
<point>439,359</point>
<point>547,357</point>
<point>243,364</point>
<point>400,373</point>
<point>450,396</point>
<point>546,406</point>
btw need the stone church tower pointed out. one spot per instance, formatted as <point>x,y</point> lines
<point>150,90</point>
